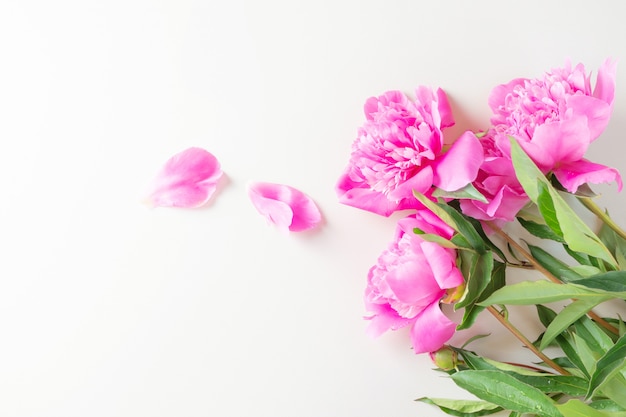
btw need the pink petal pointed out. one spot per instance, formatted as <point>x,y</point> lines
<point>557,142</point>
<point>597,112</point>
<point>360,195</point>
<point>431,329</point>
<point>574,174</point>
<point>605,84</point>
<point>284,206</point>
<point>188,179</point>
<point>442,262</point>
<point>383,317</point>
<point>459,166</point>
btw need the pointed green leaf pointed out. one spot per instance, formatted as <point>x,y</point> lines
<point>496,282</point>
<point>546,208</point>
<point>613,361</point>
<point>477,277</point>
<point>607,405</point>
<point>542,231</point>
<point>539,292</point>
<point>566,317</point>
<point>429,237</point>
<point>575,232</point>
<point>469,192</point>
<point>577,408</point>
<point>597,339</point>
<point>462,408</point>
<point>584,352</point>
<point>614,389</point>
<point>506,391</point>
<point>547,383</point>
<point>613,282</point>
<point>556,267</point>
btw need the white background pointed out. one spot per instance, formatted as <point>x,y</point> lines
<point>109,308</point>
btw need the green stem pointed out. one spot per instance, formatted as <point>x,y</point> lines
<point>608,326</point>
<point>525,341</point>
<point>595,209</point>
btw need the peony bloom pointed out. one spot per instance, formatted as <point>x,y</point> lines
<point>497,182</point>
<point>188,179</point>
<point>410,279</point>
<point>400,148</point>
<point>556,117</point>
<point>284,206</point>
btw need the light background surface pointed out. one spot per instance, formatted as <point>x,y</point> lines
<point>109,308</point>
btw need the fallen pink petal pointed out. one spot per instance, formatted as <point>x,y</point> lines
<point>188,180</point>
<point>285,207</point>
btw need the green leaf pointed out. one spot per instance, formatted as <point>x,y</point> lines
<point>615,389</point>
<point>462,408</point>
<point>613,282</point>
<point>577,408</point>
<point>606,405</point>
<point>477,276</point>
<point>576,233</point>
<point>506,391</point>
<point>436,208</point>
<point>468,192</point>
<point>585,353</point>
<point>556,267</point>
<point>597,339</point>
<point>547,383</point>
<point>566,317</point>
<point>546,208</point>
<point>496,282</point>
<point>542,231</point>
<point>465,228</point>
<point>429,237</point>
<point>586,270</point>
<point>613,361</point>
<point>539,292</point>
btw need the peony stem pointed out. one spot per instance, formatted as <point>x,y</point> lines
<point>525,341</point>
<point>526,255</point>
<point>595,209</point>
<point>608,326</point>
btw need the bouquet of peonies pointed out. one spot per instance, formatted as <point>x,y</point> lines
<point>526,172</point>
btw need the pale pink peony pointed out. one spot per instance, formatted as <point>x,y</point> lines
<point>497,182</point>
<point>409,281</point>
<point>556,117</point>
<point>188,179</point>
<point>400,148</point>
<point>283,206</point>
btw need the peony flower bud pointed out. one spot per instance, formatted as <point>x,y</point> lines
<point>445,358</point>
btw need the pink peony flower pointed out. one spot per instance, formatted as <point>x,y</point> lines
<point>409,281</point>
<point>555,118</point>
<point>400,148</point>
<point>188,179</point>
<point>497,182</point>
<point>284,206</point>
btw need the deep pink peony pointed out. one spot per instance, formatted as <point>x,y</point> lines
<point>285,207</point>
<point>410,279</point>
<point>556,117</point>
<point>400,148</point>
<point>497,182</point>
<point>188,179</point>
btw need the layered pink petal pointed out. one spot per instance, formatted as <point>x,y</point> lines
<point>384,318</point>
<point>188,179</point>
<point>284,206</point>
<point>431,329</point>
<point>562,141</point>
<point>574,174</point>
<point>459,166</point>
<point>442,262</point>
<point>605,84</point>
